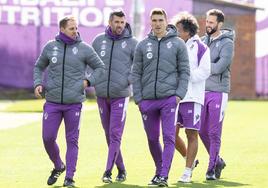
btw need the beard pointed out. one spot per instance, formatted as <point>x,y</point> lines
<point>213,30</point>
<point>118,30</point>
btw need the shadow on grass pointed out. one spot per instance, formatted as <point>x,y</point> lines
<point>210,184</point>
<point>216,183</point>
<point>57,186</point>
<point>117,185</point>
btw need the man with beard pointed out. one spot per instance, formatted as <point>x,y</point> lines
<point>221,44</point>
<point>160,79</point>
<point>116,48</point>
<point>66,58</point>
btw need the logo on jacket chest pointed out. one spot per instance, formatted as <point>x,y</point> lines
<point>103,48</point>
<point>169,44</point>
<point>218,44</point>
<point>75,50</point>
<point>124,44</point>
<point>54,54</point>
<point>149,50</point>
<point>54,59</point>
<point>192,47</point>
<point>55,51</point>
<point>149,55</point>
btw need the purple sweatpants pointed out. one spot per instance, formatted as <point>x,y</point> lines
<point>212,115</point>
<point>152,112</point>
<point>52,116</point>
<point>113,116</point>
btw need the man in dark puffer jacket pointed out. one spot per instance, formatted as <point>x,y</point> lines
<point>66,59</point>
<point>116,49</point>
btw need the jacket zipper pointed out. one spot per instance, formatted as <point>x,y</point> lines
<point>158,53</point>
<point>62,83</point>
<point>109,75</point>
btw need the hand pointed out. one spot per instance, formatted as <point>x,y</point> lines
<point>86,83</point>
<point>178,99</point>
<point>37,92</point>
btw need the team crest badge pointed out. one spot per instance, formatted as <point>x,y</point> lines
<point>45,115</point>
<point>169,44</point>
<point>123,44</point>
<point>144,117</point>
<point>197,117</point>
<point>192,46</point>
<point>75,50</point>
<point>217,44</point>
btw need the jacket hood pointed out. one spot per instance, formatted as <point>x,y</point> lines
<point>227,33</point>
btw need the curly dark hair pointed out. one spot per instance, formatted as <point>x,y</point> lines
<point>188,22</point>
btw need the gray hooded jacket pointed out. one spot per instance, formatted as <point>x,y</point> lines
<point>66,70</point>
<point>117,56</point>
<point>221,53</point>
<point>161,67</point>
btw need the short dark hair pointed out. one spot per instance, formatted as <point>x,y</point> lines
<point>188,22</point>
<point>158,11</point>
<point>63,21</point>
<point>216,12</point>
<point>118,13</point>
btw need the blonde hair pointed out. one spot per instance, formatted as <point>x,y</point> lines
<point>63,21</point>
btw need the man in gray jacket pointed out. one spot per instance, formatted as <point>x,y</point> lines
<point>66,59</point>
<point>116,48</point>
<point>221,44</point>
<point>160,80</point>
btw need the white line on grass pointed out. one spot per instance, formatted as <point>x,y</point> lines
<point>9,120</point>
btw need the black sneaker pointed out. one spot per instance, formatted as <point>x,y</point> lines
<point>121,176</point>
<point>106,178</point>
<point>163,182</point>
<point>154,181</point>
<point>68,182</point>
<point>210,175</point>
<point>54,175</point>
<point>219,167</point>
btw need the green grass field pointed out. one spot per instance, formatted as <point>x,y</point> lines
<point>24,163</point>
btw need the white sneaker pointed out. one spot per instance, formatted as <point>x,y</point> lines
<point>185,178</point>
